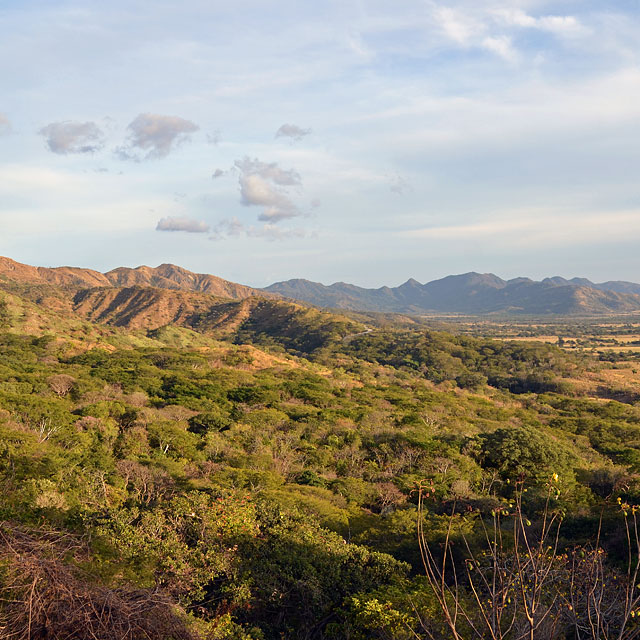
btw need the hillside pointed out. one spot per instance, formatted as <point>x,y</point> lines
<point>619,286</point>
<point>10,270</point>
<point>141,308</point>
<point>166,276</point>
<point>472,293</point>
<point>201,467</point>
<point>297,328</point>
<point>112,317</point>
<point>169,276</point>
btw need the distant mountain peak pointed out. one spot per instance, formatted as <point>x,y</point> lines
<point>474,293</point>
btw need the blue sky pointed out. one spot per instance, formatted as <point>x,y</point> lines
<point>362,141</point>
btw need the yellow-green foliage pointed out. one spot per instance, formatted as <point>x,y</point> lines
<point>274,496</point>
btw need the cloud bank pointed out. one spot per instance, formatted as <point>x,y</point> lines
<point>73,137</point>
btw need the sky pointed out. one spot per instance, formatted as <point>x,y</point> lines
<point>363,141</point>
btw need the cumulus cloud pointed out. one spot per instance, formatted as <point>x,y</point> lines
<point>254,190</point>
<point>156,134</point>
<point>264,185</point>
<point>73,137</point>
<point>182,223</point>
<point>292,131</point>
<point>5,125</point>
<point>474,30</point>
<point>268,171</point>
<point>234,228</point>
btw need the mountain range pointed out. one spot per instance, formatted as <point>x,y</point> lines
<point>473,293</point>
<point>148,298</point>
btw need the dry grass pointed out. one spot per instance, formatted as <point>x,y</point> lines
<point>43,596</point>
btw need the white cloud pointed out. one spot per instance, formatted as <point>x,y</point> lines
<point>264,185</point>
<point>459,26</point>
<point>502,46</point>
<point>269,171</point>
<point>470,131</point>
<point>73,137</point>
<point>292,131</point>
<point>565,25</point>
<point>158,135</point>
<point>182,223</point>
<point>515,17</point>
<point>560,25</point>
<point>255,190</point>
<point>490,28</point>
<point>474,28</point>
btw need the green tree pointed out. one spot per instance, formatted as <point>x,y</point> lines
<point>5,316</point>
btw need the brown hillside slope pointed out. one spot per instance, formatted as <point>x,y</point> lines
<point>271,321</point>
<point>166,276</point>
<point>60,276</point>
<point>144,298</point>
<point>587,299</point>
<point>148,308</point>
<point>169,276</point>
<point>141,308</point>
